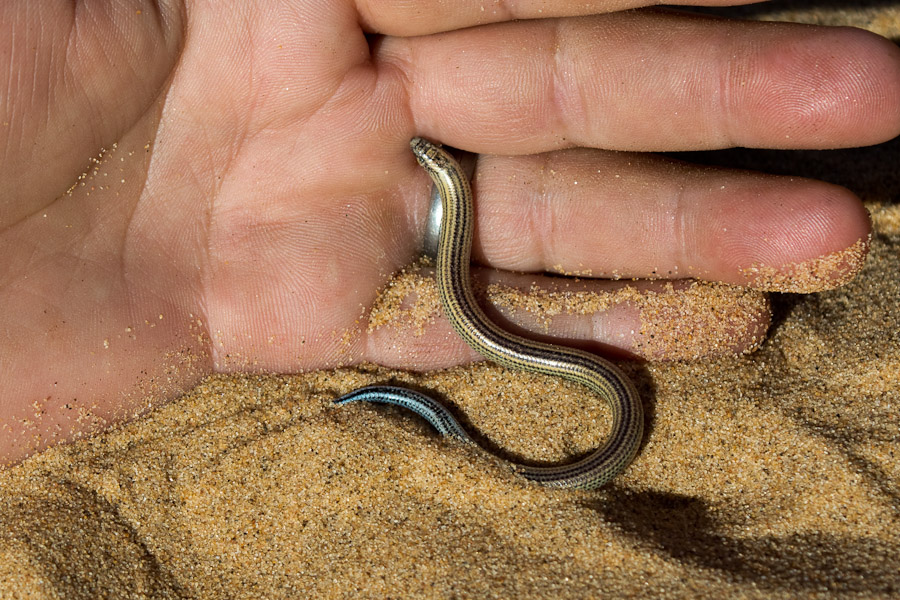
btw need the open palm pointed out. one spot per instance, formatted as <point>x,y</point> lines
<point>214,186</point>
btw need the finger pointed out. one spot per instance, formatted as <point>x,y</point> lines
<point>651,320</point>
<point>605,214</point>
<point>647,81</point>
<point>77,75</point>
<point>405,18</point>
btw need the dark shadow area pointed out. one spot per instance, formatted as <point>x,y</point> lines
<point>766,8</point>
<point>782,307</point>
<point>869,172</point>
<point>770,9</point>
<point>685,529</point>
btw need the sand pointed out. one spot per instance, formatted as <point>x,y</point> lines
<point>773,474</point>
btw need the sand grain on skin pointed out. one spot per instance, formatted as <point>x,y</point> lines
<point>775,474</point>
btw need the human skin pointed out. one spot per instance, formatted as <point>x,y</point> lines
<point>249,185</point>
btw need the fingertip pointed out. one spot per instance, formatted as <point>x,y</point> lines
<point>875,79</point>
<point>815,237</point>
<point>813,87</point>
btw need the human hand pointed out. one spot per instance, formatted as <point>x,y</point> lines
<point>256,188</point>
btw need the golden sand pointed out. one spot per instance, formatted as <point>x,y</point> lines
<point>775,474</point>
<point>681,321</point>
<point>813,275</point>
